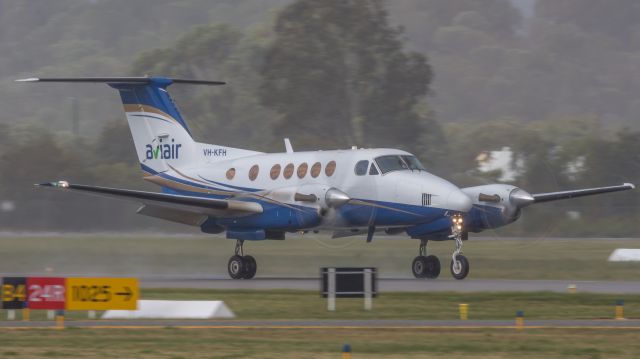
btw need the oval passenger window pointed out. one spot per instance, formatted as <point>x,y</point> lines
<point>315,169</point>
<point>253,172</point>
<point>231,172</point>
<point>302,170</point>
<point>330,169</point>
<point>288,171</point>
<point>275,171</point>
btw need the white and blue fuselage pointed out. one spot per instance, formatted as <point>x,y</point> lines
<point>254,196</point>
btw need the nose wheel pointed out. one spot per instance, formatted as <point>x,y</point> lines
<point>425,266</point>
<point>459,263</point>
<point>241,266</point>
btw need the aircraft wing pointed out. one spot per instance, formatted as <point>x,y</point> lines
<point>183,209</point>
<point>554,196</point>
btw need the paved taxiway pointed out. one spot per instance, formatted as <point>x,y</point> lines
<point>328,324</point>
<point>400,284</point>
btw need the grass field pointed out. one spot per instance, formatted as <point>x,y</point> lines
<point>301,305</point>
<point>128,255</point>
<point>366,342</point>
<point>318,343</point>
<point>534,258</point>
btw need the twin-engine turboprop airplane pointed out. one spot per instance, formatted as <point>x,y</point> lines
<point>256,196</point>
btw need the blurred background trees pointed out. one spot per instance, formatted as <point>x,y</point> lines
<point>553,81</point>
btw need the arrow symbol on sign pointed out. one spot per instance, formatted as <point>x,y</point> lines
<point>128,293</point>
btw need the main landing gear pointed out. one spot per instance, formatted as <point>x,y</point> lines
<point>241,266</point>
<point>425,266</point>
<point>428,266</point>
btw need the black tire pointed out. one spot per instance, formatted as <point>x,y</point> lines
<point>250,267</point>
<point>235,267</point>
<point>461,270</point>
<point>419,267</point>
<point>432,264</point>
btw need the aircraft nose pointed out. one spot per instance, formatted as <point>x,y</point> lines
<point>458,201</point>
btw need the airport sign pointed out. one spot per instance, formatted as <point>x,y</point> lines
<point>102,294</point>
<point>14,292</point>
<point>46,293</point>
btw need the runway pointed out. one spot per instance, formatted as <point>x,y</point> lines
<point>328,324</point>
<point>400,284</point>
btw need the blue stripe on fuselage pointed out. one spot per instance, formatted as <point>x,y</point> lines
<point>230,186</point>
<point>381,213</point>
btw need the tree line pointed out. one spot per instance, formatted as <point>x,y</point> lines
<point>332,74</point>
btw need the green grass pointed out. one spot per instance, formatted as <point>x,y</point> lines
<point>320,343</point>
<point>300,305</point>
<point>126,255</point>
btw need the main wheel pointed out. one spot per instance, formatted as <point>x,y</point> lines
<point>250,267</point>
<point>432,264</point>
<point>236,267</point>
<point>419,267</point>
<point>460,267</point>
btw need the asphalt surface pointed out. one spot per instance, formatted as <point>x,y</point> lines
<point>329,324</point>
<point>400,284</point>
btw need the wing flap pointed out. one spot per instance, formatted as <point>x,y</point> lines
<point>173,215</point>
<point>197,205</point>
<point>554,196</point>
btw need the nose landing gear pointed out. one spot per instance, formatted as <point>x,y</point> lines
<point>425,266</point>
<point>428,266</point>
<point>459,263</point>
<point>241,266</point>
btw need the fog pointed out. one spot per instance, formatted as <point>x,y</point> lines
<point>554,81</point>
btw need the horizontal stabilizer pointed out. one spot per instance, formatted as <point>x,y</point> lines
<point>554,196</point>
<point>205,206</point>
<point>123,80</point>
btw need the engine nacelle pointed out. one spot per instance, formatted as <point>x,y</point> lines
<point>495,205</point>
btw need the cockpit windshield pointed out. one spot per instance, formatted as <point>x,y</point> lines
<point>413,163</point>
<point>398,163</point>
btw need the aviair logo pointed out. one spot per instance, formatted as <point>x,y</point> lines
<point>163,150</point>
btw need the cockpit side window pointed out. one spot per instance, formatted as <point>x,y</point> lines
<point>361,167</point>
<point>373,170</point>
<point>391,163</point>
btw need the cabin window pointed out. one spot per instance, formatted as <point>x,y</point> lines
<point>330,168</point>
<point>231,172</point>
<point>275,171</point>
<point>253,172</point>
<point>288,171</point>
<point>315,169</point>
<point>361,167</point>
<point>373,170</point>
<point>302,170</point>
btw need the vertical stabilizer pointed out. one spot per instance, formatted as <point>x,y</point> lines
<point>160,134</point>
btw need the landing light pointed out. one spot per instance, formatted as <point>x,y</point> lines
<point>62,184</point>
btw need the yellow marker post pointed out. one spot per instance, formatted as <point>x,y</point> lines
<point>520,320</point>
<point>572,289</point>
<point>59,321</point>
<point>346,351</point>
<point>25,314</point>
<point>620,309</point>
<point>464,311</point>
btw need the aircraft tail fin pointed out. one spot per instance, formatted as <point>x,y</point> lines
<point>160,134</point>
